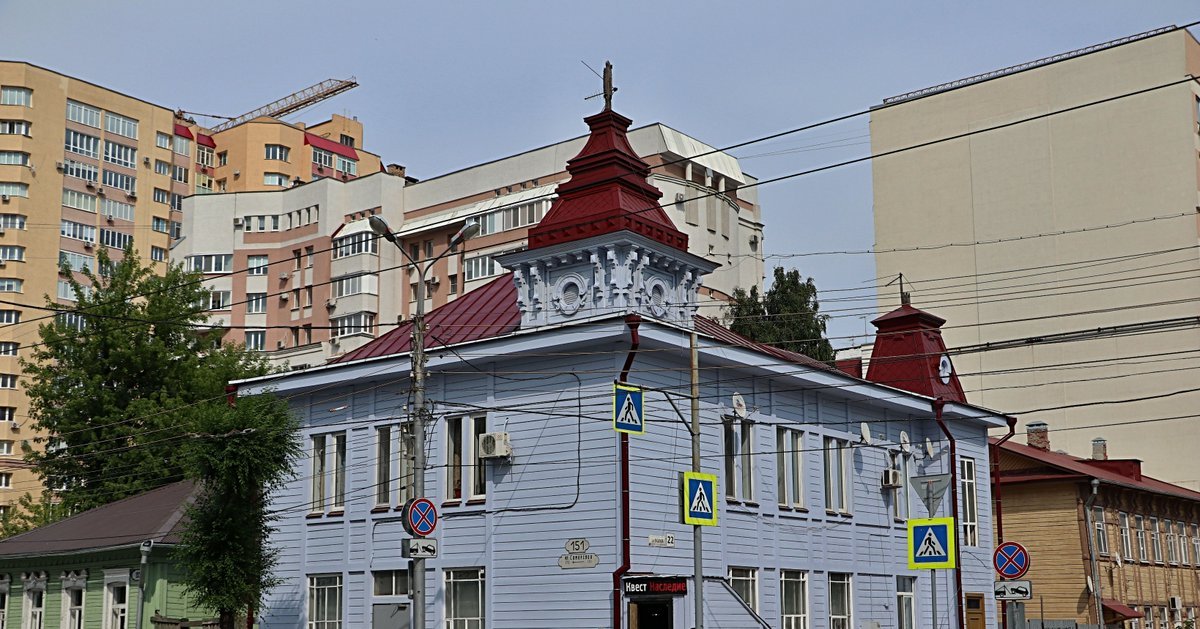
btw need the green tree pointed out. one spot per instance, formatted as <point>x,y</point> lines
<point>119,378</point>
<point>30,513</point>
<point>787,316</point>
<point>239,456</point>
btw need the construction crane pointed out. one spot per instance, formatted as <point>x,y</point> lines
<point>293,102</point>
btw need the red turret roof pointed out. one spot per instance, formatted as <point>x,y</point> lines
<point>607,192</point>
<point>908,350</point>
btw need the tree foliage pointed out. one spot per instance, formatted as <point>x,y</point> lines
<point>787,316</point>
<point>30,513</point>
<point>119,379</point>
<point>240,456</point>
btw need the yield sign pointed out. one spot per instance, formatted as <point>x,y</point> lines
<point>931,488</point>
<point>1011,560</point>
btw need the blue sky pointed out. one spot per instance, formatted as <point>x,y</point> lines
<point>450,84</point>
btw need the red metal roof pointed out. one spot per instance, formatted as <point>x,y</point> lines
<point>490,310</point>
<point>331,146</point>
<point>608,192</point>
<point>907,353</point>
<point>1090,469</point>
<point>1123,611</point>
<point>710,327</point>
<point>183,131</point>
<point>205,140</point>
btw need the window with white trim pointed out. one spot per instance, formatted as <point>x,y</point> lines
<point>357,323</point>
<point>789,468</point>
<point>5,480</point>
<point>506,218</point>
<point>325,601</point>
<point>744,582</point>
<point>219,299</point>
<point>480,267</point>
<point>11,285</point>
<point>162,140</point>
<point>12,252</point>
<point>120,154</point>
<point>277,152</point>
<point>837,475</point>
<point>1155,540</point>
<point>8,380</point>
<point>119,181</point>
<point>1099,530</point>
<point>319,452</point>
<point>393,463</point>
<point>115,239</point>
<point>1126,538</point>
<point>9,348</point>
<point>116,605</point>
<point>465,599</point>
<point>970,502</point>
<point>82,143</point>
<point>906,603</point>
<point>793,585</point>
<point>76,261</point>
<point>8,413</point>
<point>275,179</point>
<point>13,95</point>
<point>1169,538</point>
<point>339,471</point>
<point>78,231</point>
<point>83,114</point>
<point>354,285</point>
<point>179,173</point>
<point>1182,541</point>
<point>15,127</point>
<point>355,244</point>
<point>117,209</point>
<point>389,582</point>
<point>1140,530</point>
<point>12,221</point>
<point>840,602</point>
<point>323,158</point>
<point>73,607</point>
<point>6,447</point>
<point>204,156</point>
<point>204,183</point>
<point>79,200</point>
<point>80,170</point>
<point>181,146</point>
<point>256,340</point>
<point>738,438</point>
<point>346,165</point>
<point>67,292</point>
<point>14,158</point>
<point>211,263</point>
<point>120,125</point>
<point>465,470</point>
<point>35,608</point>
<point>256,303</point>
<point>10,317</point>
<point>1196,544</point>
<point>256,265</point>
<point>161,196</point>
<point>14,189</point>
<point>160,225</point>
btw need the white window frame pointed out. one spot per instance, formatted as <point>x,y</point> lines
<point>454,618</point>
<point>81,143</point>
<point>462,434</point>
<point>969,497</point>
<point>35,591</point>
<point>339,469</point>
<point>204,155</point>
<point>1155,540</point>
<point>276,152</point>
<point>162,140</point>
<point>1140,534</point>
<point>116,616</point>
<point>789,618</point>
<point>81,170</point>
<point>906,602</point>
<point>72,615</point>
<point>276,179</point>
<point>319,452</point>
<point>120,154</point>
<point>1169,540</point>
<point>257,264</point>
<point>837,454</point>
<point>83,113</point>
<point>355,244</point>
<point>841,621</point>
<point>789,464</point>
<point>322,158</point>
<point>120,125</point>
<point>1100,530</point>
<point>354,323</point>
<point>256,340</point>
<point>319,598</point>
<point>1126,537</point>
<point>256,303</point>
<point>738,437</point>
<point>745,577</point>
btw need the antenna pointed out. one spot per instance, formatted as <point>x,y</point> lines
<point>905,298</point>
<point>609,89</point>
<point>865,430</point>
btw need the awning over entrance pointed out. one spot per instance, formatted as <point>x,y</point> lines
<point>1120,610</point>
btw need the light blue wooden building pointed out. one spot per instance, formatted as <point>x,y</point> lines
<point>812,513</point>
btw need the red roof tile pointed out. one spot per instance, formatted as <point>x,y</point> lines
<point>330,145</point>
<point>490,310</point>
<point>1091,469</point>
<point>710,327</point>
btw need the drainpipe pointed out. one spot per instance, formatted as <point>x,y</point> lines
<point>938,404</point>
<point>1091,528</point>
<point>633,321</point>
<point>998,509</point>
<point>145,549</point>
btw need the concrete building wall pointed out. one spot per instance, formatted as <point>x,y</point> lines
<point>1128,162</point>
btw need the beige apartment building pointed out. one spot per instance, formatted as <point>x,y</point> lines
<point>320,284</point>
<point>1073,306</point>
<point>105,169</point>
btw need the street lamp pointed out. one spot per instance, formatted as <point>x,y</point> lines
<point>380,227</point>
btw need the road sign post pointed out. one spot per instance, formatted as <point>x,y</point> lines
<point>628,413</point>
<point>931,546</point>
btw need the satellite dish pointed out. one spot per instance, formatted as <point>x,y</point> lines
<point>905,446</point>
<point>865,430</point>
<point>928,448</point>
<point>739,405</point>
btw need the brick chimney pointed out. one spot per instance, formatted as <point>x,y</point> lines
<point>1099,449</point>
<point>395,169</point>
<point>1037,435</point>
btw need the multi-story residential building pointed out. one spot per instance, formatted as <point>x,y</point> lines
<point>1100,521</point>
<point>1077,306</point>
<point>107,169</point>
<point>578,527</point>
<point>345,289</point>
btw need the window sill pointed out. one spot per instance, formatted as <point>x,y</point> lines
<point>337,513</point>
<point>844,514</point>
<point>381,509</point>
<point>315,514</point>
<point>453,502</point>
<point>476,501</point>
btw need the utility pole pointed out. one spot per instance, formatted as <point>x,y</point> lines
<point>697,530</point>
<point>419,412</point>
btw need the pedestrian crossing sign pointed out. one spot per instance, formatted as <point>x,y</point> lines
<point>931,543</point>
<point>699,499</point>
<point>627,409</point>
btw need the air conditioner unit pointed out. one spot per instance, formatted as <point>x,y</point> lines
<point>679,197</point>
<point>3,263</point>
<point>100,191</point>
<point>60,166</point>
<point>5,198</point>
<point>283,296</point>
<point>1,231</point>
<point>279,344</point>
<point>16,426</point>
<point>91,184</point>
<point>238,222</point>
<point>132,194</point>
<point>108,217</point>
<point>495,445</point>
<point>88,246</point>
<point>237,173</point>
<point>146,161</point>
<point>283,276</point>
<point>1176,603</point>
<point>892,479</point>
<point>331,304</point>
